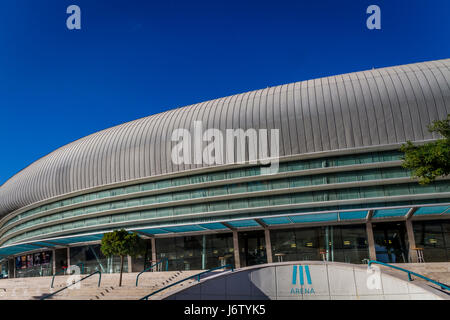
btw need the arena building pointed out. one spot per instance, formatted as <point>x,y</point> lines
<point>339,193</point>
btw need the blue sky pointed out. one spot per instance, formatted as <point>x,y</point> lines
<point>134,58</point>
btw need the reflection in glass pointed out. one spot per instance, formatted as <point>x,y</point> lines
<point>196,252</point>
<point>327,243</point>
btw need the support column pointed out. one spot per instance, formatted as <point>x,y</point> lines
<point>411,241</point>
<point>268,245</point>
<point>54,261</point>
<point>68,257</point>
<point>130,264</point>
<point>204,252</point>
<point>153,243</point>
<point>11,268</point>
<point>237,259</point>
<point>371,241</point>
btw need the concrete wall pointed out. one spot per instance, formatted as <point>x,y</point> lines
<point>328,281</point>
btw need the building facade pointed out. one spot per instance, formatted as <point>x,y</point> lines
<point>339,194</point>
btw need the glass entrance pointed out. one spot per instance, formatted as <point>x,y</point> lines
<point>252,245</point>
<point>390,242</point>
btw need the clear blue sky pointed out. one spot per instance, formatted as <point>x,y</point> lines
<point>134,58</point>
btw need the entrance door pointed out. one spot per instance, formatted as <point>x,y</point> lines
<point>390,242</point>
<point>252,247</point>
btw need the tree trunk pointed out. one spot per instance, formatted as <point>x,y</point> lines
<point>121,269</point>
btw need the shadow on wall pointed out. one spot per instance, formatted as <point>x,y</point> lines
<point>304,281</point>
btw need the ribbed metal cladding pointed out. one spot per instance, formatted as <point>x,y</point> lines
<point>368,108</point>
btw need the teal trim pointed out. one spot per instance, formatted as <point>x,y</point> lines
<point>172,209</point>
<point>161,261</point>
<point>314,217</point>
<point>276,221</point>
<point>383,213</point>
<point>154,231</point>
<point>443,286</point>
<point>189,228</point>
<point>431,210</point>
<point>353,215</point>
<point>213,226</point>
<point>154,227</point>
<point>308,275</point>
<point>63,269</point>
<point>294,275</point>
<point>243,223</point>
<point>52,294</point>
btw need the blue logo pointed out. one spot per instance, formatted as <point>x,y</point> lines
<point>301,276</point>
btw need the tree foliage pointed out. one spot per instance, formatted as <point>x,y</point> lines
<point>122,243</point>
<point>430,160</point>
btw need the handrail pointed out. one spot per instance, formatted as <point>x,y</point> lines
<point>182,280</point>
<point>63,269</point>
<point>99,281</point>
<point>443,286</point>
<point>157,263</point>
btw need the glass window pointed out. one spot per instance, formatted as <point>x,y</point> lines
<point>196,252</point>
<point>167,197</point>
<point>217,191</point>
<point>148,200</point>
<point>300,181</point>
<point>390,242</point>
<point>181,195</point>
<point>90,259</point>
<point>433,237</point>
<point>238,188</point>
<point>148,186</point>
<point>182,210</point>
<point>329,243</point>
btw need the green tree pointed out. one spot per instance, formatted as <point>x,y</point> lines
<point>122,243</point>
<point>432,159</point>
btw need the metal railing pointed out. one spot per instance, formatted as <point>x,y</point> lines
<point>63,269</point>
<point>52,294</point>
<point>191,277</point>
<point>151,267</point>
<point>443,286</point>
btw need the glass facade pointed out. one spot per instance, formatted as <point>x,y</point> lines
<point>163,199</point>
<point>434,238</point>
<point>350,182</point>
<point>142,262</point>
<point>196,252</point>
<point>252,245</point>
<point>36,264</point>
<point>4,268</point>
<point>90,258</point>
<point>300,165</point>
<point>329,243</point>
<point>290,198</point>
<point>391,243</point>
<point>338,243</point>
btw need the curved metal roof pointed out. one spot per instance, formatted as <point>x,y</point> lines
<point>360,109</point>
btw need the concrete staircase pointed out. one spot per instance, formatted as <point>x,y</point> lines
<point>34,288</point>
<point>438,271</point>
<point>148,282</point>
